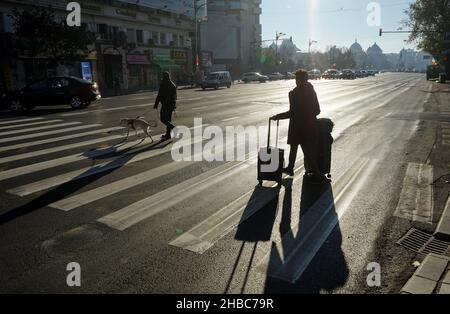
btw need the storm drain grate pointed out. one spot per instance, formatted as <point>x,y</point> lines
<point>424,243</point>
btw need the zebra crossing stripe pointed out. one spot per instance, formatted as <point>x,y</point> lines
<point>91,154</point>
<point>118,186</point>
<point>57,149</point>
<point>58,139</point>
<point>39,128</point>
<point>125,159</point>
<point>28,124</point>
<point>40,134</point>
<point>20,120</point>
<point>103,110</point>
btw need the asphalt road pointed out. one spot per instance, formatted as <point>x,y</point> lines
<point>136,221</point>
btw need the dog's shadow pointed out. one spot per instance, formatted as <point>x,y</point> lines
<point>114,151</point>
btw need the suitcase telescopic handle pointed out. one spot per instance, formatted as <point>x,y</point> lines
<point>268,136</point>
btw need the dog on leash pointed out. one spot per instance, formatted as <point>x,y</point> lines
<point>137,123</point>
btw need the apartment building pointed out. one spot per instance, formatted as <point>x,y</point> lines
<point>133,43</point>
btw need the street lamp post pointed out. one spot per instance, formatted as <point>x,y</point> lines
<point>311,42</point>
<point>277,37</point>
<point>196,10</point>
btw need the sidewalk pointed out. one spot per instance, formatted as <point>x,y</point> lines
<point>433,274</point>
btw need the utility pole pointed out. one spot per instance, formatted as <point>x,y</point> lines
<point>277,37</point>
<point>197,41</point>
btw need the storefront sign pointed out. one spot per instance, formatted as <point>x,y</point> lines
<point>206,59</point>
<point>138,59</point>
<point>86,71</point>
<point>179,56</point>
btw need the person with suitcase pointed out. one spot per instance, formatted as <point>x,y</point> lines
<point>303,128</point>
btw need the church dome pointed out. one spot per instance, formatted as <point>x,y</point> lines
<point>375,49</point>
<point>356,47</point>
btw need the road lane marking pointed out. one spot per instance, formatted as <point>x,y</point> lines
<point>57,139</point>
<point>416,197</point>
<point>230,119</point>
<point>29,124</point>
<point>2,122</point>
<point>290,256</point>
<point>90,196</point>
<point>40,134</point>
<point>58,149</point>
<point>126,159</point>
<point>103,110</point>
<point>39,128</point>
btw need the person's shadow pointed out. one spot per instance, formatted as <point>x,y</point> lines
<point>328,268</point>
<point>255,226</point>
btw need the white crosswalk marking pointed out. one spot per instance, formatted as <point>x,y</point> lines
<point>28,124</point>
<point>38,128</point>
<point>125,159</point>
<point>58,139</point>
<point>58,149</point>
<point>103,110</point>
<point>19,120</point>
<point>40,134</point>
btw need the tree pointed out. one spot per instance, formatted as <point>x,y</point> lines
<point>429,21</point>
<point>39,33</point>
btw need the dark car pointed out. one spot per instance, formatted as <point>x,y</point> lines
<point>347,75</point>
<point>73,91</point>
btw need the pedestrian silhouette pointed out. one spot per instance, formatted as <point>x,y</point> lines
<point>303,128</point>
<point>167,95</point>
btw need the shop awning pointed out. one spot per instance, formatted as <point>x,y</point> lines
<point>166,64</point>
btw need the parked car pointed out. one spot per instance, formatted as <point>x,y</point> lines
<point>433,72</point>
<point>314,74</point>
<point>371,72</point>
<point>217,79</point>
<point>331,74</point>
<point>254,77</point>
<point>347,74</point>
<point>289,76</point>
<point>276,76</point>
<point>64,90</point>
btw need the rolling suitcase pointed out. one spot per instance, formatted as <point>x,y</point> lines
<point>325,143</point>
<point>271,161</point>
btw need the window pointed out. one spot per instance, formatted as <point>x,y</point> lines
<point>181,41</point>
<point>163,39</point>
<point>155,37</point>
<point>139,36</point>
<point>175,39</point>
<point>40,85</point>
<point>58,83</point>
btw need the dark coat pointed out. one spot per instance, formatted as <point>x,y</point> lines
<point>303,112</point>
<point>167,94</point>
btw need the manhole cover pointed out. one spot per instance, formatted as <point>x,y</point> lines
<point>424,243</point>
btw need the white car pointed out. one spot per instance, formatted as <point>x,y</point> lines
<point>254,77</point>
<point>276,76</point>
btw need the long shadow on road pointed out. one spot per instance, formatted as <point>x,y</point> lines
<point>328,269</point>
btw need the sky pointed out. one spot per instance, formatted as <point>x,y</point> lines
<point>335,22</point>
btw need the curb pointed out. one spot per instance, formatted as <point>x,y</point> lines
<point>443,229</point>
<point>432,276</point>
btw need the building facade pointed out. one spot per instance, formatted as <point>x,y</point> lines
<point>232,35</point>
<point>134,43</point>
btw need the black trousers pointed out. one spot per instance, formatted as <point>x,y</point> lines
<point>310,154</point>
<point>166,117</point>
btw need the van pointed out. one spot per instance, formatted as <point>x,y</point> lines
<point>217,79</point>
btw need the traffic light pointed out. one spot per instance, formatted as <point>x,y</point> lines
<point>381,32</point>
